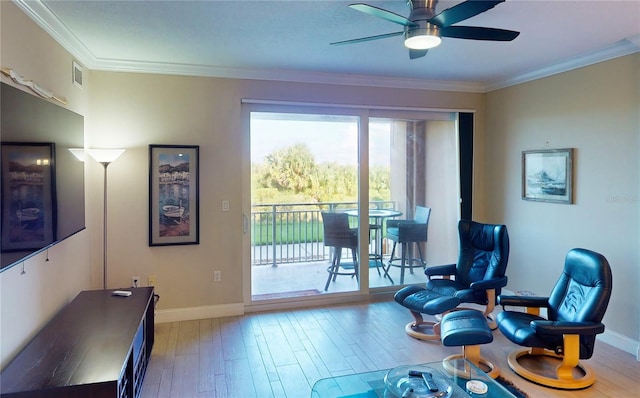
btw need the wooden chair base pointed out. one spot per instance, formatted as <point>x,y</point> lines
<point>472,354</point>
<point>565,378</point>
<point>427,331</point>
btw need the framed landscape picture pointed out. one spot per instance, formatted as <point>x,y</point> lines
<point>173,195</point>
<point>28,196</point>
<point>547,175</point>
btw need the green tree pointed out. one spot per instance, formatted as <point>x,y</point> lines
<point>337,183</point>
<point>379,183</point>
<point>290,169</point>
<point>291,175</point>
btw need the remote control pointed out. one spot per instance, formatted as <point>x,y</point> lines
<point>408,393</point>
<point>428,380</point>
<point>415,373</point>
<point>426,377</point>
<point>122,293</point>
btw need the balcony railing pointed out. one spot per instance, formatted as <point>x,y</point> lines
<point>292,232</point>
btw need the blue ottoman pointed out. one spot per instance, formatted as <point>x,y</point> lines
<point>467,329</point>
<point>421,301</point>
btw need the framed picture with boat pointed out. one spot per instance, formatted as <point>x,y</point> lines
<point>547,175</point>
<point>28,196</point>
<point>173,195</point>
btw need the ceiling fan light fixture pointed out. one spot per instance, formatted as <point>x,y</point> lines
<point>423,38</point>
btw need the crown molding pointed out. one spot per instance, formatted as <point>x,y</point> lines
<point>48,21</point>
<point>283,75</point>
<point>624,47</point>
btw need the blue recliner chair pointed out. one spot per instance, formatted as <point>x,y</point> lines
<point>575,309</point>
<point>476,278</point>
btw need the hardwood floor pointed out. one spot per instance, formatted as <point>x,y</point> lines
<point>283,353</point>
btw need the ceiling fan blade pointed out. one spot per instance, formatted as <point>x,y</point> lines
<point>368,38</point>
<point>384,14</point>
<point>462,11</point>
<point>413,54</point>
<point>478,33</point>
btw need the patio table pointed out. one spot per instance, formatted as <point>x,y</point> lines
<point>378,216</point>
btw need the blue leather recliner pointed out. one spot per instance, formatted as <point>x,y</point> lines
<point>476,278</point>
<point>575,309</point>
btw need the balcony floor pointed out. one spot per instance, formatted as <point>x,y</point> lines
<point>309,279</point>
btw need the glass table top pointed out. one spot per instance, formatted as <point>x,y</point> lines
<point>459,378</point>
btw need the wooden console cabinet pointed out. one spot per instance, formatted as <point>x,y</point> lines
<point>97,346</point>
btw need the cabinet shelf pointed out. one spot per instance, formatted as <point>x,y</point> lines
<point>98,345</point>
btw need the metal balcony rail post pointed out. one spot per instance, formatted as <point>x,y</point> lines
<point>273,234</point>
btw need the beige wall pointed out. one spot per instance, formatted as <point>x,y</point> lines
<point>596,111</point>
<point>135,110</point>
<point>28,300</point>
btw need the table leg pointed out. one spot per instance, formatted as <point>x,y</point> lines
<point>376,256</point>
<point>379,248</point>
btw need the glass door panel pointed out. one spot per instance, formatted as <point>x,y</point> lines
<point>302,165</point>
<point>412,162</point>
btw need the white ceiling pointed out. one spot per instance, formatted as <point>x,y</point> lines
<point>289,40</point>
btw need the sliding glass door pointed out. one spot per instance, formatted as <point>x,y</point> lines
<point>307,162</point>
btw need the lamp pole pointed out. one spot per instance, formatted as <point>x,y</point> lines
<point>104,226</point>
<point>105,157</point>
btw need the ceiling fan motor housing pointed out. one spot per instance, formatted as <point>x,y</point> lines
<point>423,35</point>
<point>415,4</point>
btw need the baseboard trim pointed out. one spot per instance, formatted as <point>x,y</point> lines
<point>202,312</point>
<point>236,309</point>
<point>619,341</point>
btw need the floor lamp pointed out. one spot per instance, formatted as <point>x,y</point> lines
<point>105,157</point>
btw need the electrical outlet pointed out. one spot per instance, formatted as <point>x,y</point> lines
<point>217,276</point>
<point>225,205</point>
<point>151,280</point>
<point>135,281</point>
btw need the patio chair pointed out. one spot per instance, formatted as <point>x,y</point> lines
<point>338,235</point>
<point>408,232</point>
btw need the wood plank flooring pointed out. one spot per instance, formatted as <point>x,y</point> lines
<point>283,353</point>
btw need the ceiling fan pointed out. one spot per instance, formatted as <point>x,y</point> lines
<point>423,29</point>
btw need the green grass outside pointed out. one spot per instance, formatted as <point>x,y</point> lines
<point>298,232</point>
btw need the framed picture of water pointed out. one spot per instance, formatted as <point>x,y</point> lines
<point>547,175</point>
<point>28,196</point>
<point>173,195</point>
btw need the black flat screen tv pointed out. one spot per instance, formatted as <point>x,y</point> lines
<point>41,182</point>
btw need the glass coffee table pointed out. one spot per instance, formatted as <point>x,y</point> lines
<point>466,381</point>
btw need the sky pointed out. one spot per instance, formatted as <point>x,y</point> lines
<point>329,141</point>
<point>173,159</point>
